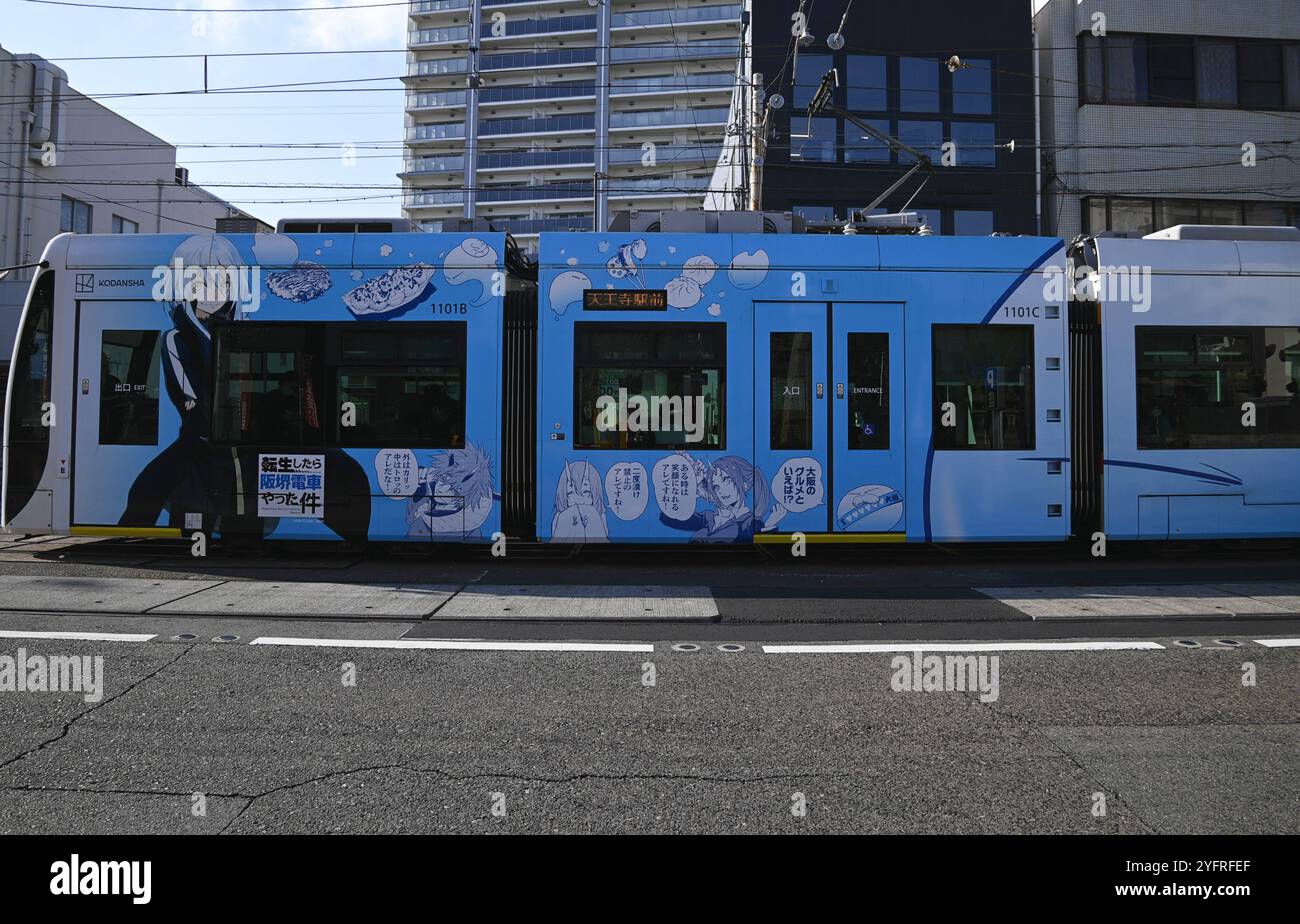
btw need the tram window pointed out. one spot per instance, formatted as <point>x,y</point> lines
<point>1192,384</point>
<point>407,386</point>
<point>269,385</point>
<point>679,372</point>
<point>986,372</point>
<point>868,399</point>
<point>128,387</point>
<point>30,413</point>
<point>791,390</point>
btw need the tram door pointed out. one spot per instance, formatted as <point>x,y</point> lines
<point>829,417</point>
<point>123,417</point>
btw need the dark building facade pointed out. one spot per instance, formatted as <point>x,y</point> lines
<point>892,73</point>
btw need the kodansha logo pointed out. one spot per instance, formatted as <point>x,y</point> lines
<point>103,877</point>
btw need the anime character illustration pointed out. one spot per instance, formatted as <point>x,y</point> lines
<point>183,478</point>
<point>191,476</point>
<point>455,494</point>
<point>726,483</point>
<point>579,505</point>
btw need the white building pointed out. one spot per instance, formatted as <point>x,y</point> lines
<point>1156,113</point>
<point>60,148</point>
<point>515,107</point>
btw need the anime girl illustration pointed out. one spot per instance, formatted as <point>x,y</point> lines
<point>579,505</point>
<point>726,483</point>
<point>455,495</point>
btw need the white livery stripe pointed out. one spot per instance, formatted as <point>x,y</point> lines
<point>1278,642</point>
<point>79,636</point>
<point>451,644</point>
<point>961,646</point>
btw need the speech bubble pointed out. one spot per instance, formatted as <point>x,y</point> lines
<point>397,472</point>
<point>798,484</point>
<point>627,489</point>
<point>675,486</point>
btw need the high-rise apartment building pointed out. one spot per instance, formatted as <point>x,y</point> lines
<point>541,115</point>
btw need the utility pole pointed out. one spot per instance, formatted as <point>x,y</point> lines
<point>761,121</point>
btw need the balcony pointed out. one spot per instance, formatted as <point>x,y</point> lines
<point>682,51</point>
<point>532,59</point>
<point>453,164</point>
<point>679,83</point>
<point>564,157</point>
<point>446,99</point>
<point>539,193</point>
<point>430,198</point>
<point>439,132</point>
<point>566,90</point>
<point>538,225</point>
<point>565,123</point>
<point>728,13</point>
<point>439,36</point>
<point>437,6</point>
<point>518,27</point>
<point>458,65</point>
<point>665,117</point>
<point>667,154</point>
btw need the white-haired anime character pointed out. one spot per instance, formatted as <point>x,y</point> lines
<point>455,494</point>
<point>579,505</point>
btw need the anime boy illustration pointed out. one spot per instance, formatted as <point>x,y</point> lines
<point>455,495</point>
<point>220,483</point>
<point>182,478</point>
<point>579,505</point>
<point>726,483</point>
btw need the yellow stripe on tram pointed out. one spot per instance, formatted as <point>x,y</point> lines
<point>784,538</point>
<point>128,532</point>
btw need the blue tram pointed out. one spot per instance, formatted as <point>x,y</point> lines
<point>649,386</point>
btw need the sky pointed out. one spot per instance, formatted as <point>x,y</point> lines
<point>367,113</point>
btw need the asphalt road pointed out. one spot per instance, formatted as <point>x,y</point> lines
<point>270,739</point>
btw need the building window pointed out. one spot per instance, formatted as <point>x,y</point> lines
<point>679,370</point>
<point>972,88</point>
<point>1185,70</point>
<point>812,68</point>
<point>74,215</point>
<point>1192,383</point>
<point>1130,214</point>
<point>972,222</point>
<point>868,83</point>
<point>918,84</point>
<point>407,385</point>
<point>818,144</point>
<point>986,374</point>
<point>124,226</point>
<point>976,144</point>
<point>861,148</point>
<point>128,387</point>
<point>926,137</point>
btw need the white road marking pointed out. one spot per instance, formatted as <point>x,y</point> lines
<point>1278,642</point>
<point>962,646</point>
<point>79,636</point>
<point>451,644</point>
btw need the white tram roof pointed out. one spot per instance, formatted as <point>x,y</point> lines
<point>1208,250</point>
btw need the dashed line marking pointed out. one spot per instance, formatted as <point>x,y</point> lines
<point>79,636</point>
<point>1278,642</point>
<point>448,644</point>
<point>962,646</point>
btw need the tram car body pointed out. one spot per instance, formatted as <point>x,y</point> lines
<point>1187,379</point>
<point>658,387</point>
<point>342,387</point>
